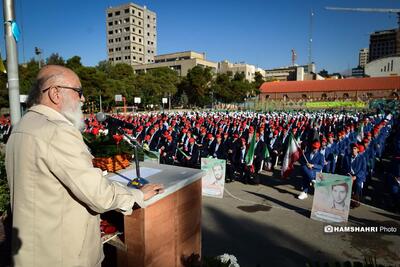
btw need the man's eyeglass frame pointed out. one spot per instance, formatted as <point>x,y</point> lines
<point>79,90</point>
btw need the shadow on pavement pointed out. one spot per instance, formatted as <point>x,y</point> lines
<point>256,244</point>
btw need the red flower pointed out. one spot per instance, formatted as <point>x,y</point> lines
<point>118,138</point>
<point>95,131</point>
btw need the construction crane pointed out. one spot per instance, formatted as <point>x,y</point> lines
<point>380,10</point>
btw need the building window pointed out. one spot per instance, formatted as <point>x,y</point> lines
<point>148,25</point>
<point>304,96</point>
<point>140,59</point>
<point>133,38</point>
<point>126,38</point>
<point>148,16</point>
<point>127,29</point>
<point>324,96</point>
<point>140,23</point>
<point>111,59</point>
<point>117,13</point>
<point>148,34</point>
<point>148,51</point>
<point>126,20</point>
<point>139,14</point>
<point>126,10</point>
<point>133,11</point>
<point>134,48</point>
<point>134,58</point>
<point>140,40</point>
<point>109,15</point>
<point>111,50</point>
<point>127,47</point>
<point>110,32</point>
<point>285,97</point>
<point>110,23</point>
<point>345,95</point>
<point>267,97</point>
<point>140,49</point>
<point>140,31</point>
<point>110,41</point>
<point>370,95</point>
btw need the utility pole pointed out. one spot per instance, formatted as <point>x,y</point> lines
<point>12,62</point>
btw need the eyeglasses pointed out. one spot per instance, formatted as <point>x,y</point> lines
<point>79,90</point>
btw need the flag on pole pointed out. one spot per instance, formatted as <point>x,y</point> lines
<point>360,132</point>
<point>293,153</point>
<point>266,152</point>
<point>250,153</point>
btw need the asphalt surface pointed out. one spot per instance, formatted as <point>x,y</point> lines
<point>266,225</point>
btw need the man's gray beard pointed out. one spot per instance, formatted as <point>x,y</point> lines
<point>74,115</point>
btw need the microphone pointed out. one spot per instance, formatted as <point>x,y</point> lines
<point>116,125</point>
<point>113,122</point>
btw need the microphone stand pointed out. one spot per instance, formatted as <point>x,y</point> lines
<point>138,181</point>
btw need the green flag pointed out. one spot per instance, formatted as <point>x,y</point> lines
<point>266,152</point>
<point>250,153</point>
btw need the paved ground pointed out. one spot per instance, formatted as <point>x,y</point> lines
<point>266,225</point>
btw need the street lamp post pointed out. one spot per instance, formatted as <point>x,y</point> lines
<point>38,52</point>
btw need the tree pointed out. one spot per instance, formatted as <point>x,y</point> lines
<point>258,81</point>
<point>197,85</point>
<point>55,59</point>
<point>74,63</point>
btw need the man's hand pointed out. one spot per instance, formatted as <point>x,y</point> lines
<point>310,166</point>
<point>150,190</point>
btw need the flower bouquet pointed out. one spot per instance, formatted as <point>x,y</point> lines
<point>111,152</point>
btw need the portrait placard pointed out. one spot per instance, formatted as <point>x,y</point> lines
<point>332,197</point>
<point>213,181</point>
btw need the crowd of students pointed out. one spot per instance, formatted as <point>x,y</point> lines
<point>334,142</point>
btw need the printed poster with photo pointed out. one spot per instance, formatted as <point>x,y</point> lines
<point>213,181</point>
<point>332,197</point>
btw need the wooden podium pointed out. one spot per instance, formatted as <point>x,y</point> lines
<point>168,228</point>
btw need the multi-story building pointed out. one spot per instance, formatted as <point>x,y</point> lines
<point>363,57</point>
<point>386,66</point>
<point>181,62</point>
<point>131,34</point>
<point>384,43</point>
<point>292,73</point>
<point>248,70</point>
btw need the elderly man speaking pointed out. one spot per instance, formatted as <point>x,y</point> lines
<point>56,193</point>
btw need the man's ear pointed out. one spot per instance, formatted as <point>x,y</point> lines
<point>55,95</point>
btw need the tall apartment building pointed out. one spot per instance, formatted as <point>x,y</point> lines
<point>131,34</point>
<point>363,57</point>
<point>384,43</point>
